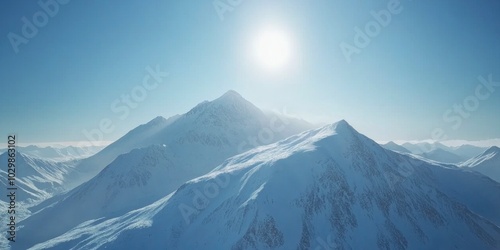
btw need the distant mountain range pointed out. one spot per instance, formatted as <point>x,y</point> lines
<point>58,154</point>
<point>437,151</point>
<point>396,148</point>
<point>482,160</point>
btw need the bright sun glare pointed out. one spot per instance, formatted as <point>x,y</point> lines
<point>273,49</point>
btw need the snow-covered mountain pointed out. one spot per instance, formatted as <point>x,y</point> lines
<point>395,147</point>
<point>183,149</point>
<point>224,127</point>
<point>487,163</point>
<point>325,188</point>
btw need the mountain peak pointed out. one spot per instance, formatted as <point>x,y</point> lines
<point>230,104</point>
<point>343,126</point>
<point>342,123</point>
<point>340,133</point>
<point>232,93</point>
<point>230,96</point>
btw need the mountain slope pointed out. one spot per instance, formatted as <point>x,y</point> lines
<point>329,187</point>
<point>487,163</point>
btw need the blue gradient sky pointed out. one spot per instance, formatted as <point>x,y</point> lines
<point>91,52</point>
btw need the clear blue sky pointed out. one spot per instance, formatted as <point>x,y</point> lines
<point>89,53</point>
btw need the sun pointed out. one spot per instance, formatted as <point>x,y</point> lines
<point>272,49</point>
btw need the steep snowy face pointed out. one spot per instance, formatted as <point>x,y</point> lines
<point>487,163</point>
<point>324,188</point>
